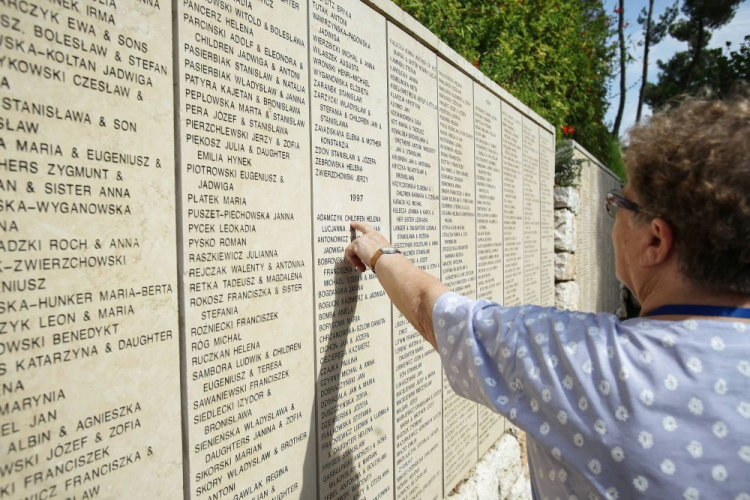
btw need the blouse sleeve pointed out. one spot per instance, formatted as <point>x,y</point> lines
<point>531,364</point>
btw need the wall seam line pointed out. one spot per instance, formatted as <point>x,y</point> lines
<point>179,233</point>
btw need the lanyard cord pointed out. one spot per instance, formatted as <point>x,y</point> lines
<point>695,310</point>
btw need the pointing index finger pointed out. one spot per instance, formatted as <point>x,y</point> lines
<point>361,227</point>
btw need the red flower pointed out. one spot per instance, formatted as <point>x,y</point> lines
<point>568,129</point>
<point>476,64</point>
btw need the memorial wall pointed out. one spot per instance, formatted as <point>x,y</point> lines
<point>595,258</point>
<point>177,318</point>
<point>89,331</point>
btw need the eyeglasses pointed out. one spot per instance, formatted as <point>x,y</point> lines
<point>615,200</point>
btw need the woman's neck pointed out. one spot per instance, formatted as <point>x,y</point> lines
<point>682,292</point>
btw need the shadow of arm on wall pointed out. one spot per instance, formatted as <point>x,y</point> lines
<point>328,452</point>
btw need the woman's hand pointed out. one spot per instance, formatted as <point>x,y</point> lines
<point>360,251</point>
<point>413,291</point>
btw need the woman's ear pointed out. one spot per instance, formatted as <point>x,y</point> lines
<point>659,244</point>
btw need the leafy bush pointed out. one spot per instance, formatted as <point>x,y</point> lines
<point>615,163</point>
<point>553,55</point>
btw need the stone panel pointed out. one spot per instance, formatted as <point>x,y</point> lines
<point>489,222</point>
<point>458,251</point>
<point>245,183</point>
<point>546,195</point>
<point>596,231</point>
<point>489,200</point>
<point>590,242</point>
<point>512,153</point>
<point>607,296</point>
<point>595,259</point>
<point>583,256</point>
<point>353,324</point>
<point>532,245</point>
<point>89,339</point>
<point>415,229</point>
<point>616,184</point>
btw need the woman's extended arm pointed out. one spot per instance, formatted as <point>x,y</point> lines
<point>412,290</point>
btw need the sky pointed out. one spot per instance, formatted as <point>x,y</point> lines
<point>735,32</point>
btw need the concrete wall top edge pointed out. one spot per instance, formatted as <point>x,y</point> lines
<point>398,17</point>
<point>594,160</point>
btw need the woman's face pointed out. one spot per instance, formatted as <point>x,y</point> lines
<point>623,242</point>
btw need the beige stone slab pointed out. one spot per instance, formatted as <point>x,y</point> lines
<point>598,284</point>
<point>489,191</point>
<point>613,287</point>
<point>599,230</point>
<point>458,251</point>
<point>89,275</point>
<point>599,234</point>
<point>489,223</point>
<point>546,195</point>
<point>246,248</point>
<point>607,285</point>
<point>584,272</point>
<point>415,229</point>
<point>606,249</point>
<point>594,221</point>
<point>350,172</point>
<point>532,244</point>
<point>581,276</point>
<point>615,184</point>
<point>512,158</point>
<point>592,242</point>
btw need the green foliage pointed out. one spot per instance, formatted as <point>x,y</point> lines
<point>567,168</point>
<point>738,62</point>
<point>708,14</point>
<point>699,69</point>
<point>553,55</point>
<point>659,29</point>
<point>715,75</point>
<point>616,163</point>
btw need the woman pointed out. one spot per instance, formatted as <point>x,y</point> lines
<point>657,406</point>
